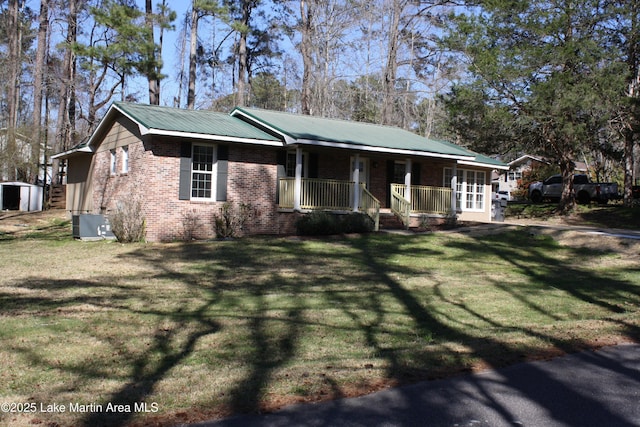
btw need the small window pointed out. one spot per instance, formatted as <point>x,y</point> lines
<point>112,162</point>
<point>202,171</point>
<point>399,172</point>
<point>291,164</point>
<point>125,159</point>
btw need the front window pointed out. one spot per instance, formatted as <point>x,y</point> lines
<point>470,188</point>
<point>515,175</point>
<point>291,164</point>
<point>125,159</point>
<point>112,162</point>
<point>202,171</point>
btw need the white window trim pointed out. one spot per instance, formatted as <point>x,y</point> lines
<point>112,162</point>
<point>213,173</point>
<point>125,160</point>
<point>461,190</point>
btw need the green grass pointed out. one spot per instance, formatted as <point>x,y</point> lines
<point>613,215</point>
<point>213,328</point>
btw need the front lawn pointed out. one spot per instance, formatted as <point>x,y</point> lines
<point>198,330</point>
<point>613,215</point>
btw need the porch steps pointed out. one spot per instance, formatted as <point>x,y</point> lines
<point>58,197</point>
<point>389,221</point>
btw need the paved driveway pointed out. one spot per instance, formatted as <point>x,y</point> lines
<point>591,389</point>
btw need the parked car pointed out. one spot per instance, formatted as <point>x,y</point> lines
<point>585,190</point>
<point>503,195</point>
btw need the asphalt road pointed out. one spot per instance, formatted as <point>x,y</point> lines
<point>591,389</point>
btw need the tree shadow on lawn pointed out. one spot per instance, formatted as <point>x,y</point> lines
<point>369,316</point>
<point>532,256</point>
<point>51,296</point>
<point>370,262</point>
<point>362,279</point>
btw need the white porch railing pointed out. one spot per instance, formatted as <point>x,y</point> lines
<point>338,195</point>
<point>430,199</point>
<point>425,199</point>
<point>400,205</point>
<point>370,205</point>
<point>329,194</point>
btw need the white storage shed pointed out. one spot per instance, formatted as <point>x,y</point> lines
<point>20,196</point>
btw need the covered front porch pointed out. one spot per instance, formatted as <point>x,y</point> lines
<point>348,181</point>
<point>348,196</point>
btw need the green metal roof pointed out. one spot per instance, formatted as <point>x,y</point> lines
<point>202,122</point>
<point>302,127</point>
<point>480,158</point>
<point>270,127</point>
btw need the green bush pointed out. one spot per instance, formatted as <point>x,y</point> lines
<point>322,223</point>
<point>357,223</point>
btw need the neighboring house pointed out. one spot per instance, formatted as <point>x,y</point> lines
<point>510,180</point>
<point>182,164</point>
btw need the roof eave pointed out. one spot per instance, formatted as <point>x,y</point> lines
<point>288,139</point>
<point>483,165</point>
<point>384,150</point>
<point>211,137</point>
<point>525,157</point>
<point>69,153</point>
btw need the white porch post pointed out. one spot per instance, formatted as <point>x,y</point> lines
<point>454,189</point>
<point>407,180</point>
<point>297,187</point>
<point>356,182</point>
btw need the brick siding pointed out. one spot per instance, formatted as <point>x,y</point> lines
<point>153,179</point>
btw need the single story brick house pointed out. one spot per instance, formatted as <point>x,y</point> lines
<point>184,164</point>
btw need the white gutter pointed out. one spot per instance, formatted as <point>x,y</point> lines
<point>385,150</point>
<point>85,149</point>
<point>482,165</point>
<point>209,137</point>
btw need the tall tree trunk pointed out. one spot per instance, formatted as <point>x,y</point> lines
<point>306,18</point>
<point>13,31</point>
<point>154,84</point>
<point>629,142</point>
<point>160,45</point>
<point>67,110</point>
<point>633,93</point>
<point>391,66</point>
<point>242,54</point>
<point>191,94</point>
<point>567,198</point>
<point>38,86</point>
<point>177,100</point>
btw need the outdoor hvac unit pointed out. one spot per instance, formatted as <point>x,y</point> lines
<point>88,227</point>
